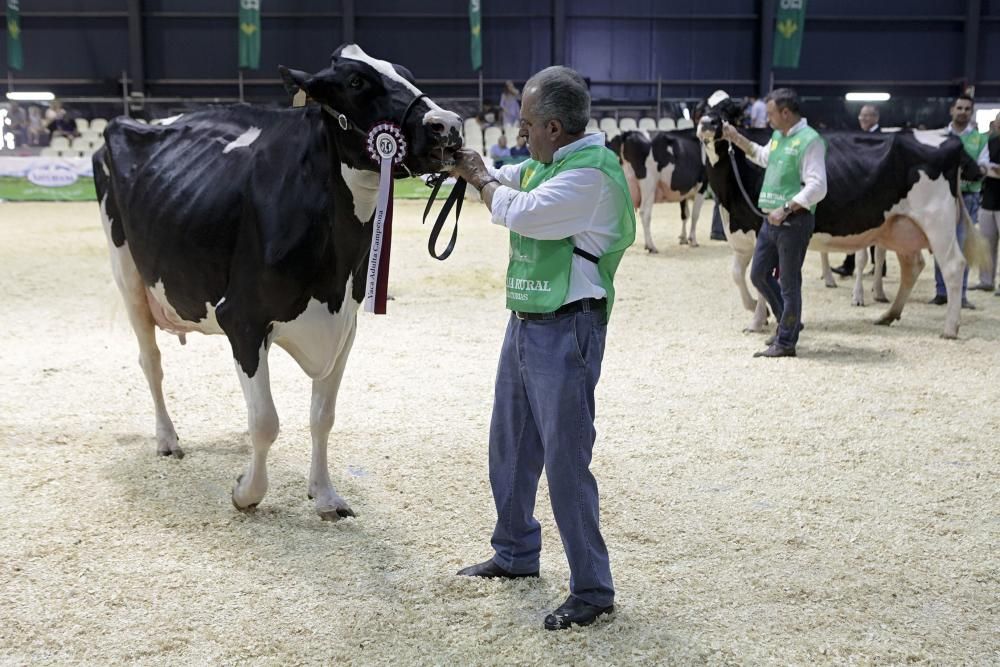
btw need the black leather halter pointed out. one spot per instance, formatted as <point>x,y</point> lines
<point>434,182</point>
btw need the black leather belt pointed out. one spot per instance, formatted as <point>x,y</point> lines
<point>581,306</point>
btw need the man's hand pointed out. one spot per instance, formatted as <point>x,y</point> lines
<point>733,136</point>
<point>469,165</point>
<point>777,216</point>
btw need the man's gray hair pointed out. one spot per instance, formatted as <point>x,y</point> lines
<point>786,98</point>
<point>561,94</point>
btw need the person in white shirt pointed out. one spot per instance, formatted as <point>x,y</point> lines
<point>794,182</point>
<point>758,113</point>
<point>868,119</point>
<point>571,219</point>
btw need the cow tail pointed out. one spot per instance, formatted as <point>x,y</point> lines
<point>975,248</point>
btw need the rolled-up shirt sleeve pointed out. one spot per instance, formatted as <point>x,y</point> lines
<point>759,155</point>
<point>813,176</point>
<point>560,207</point>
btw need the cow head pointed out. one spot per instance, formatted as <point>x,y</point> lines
<point>359,92</point>
<point>715,110</point>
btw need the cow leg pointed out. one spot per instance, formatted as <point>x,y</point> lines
<point>699,199</point>
<point>648,188</point>
<point>141,318</point>
<point>683,238</point>
<point>329,505</point>
<point>828,278</point>
<point>878,288</point>
<point>910,266</point>
<point>860,261</point>
<point>263,423</point>
<point>757,306</point>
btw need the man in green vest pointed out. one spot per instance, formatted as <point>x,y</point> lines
<point>794,182</point>
<point>571,219</point>
<point>964,127</point>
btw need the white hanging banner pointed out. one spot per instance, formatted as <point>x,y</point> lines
<point>387,147</point>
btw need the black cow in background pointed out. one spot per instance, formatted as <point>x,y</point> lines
<point>897,190</point>
<point>663,166</point>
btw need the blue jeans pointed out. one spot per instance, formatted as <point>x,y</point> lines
<point>543,416</point>
<point>971,200</point>
<point>783,248</point>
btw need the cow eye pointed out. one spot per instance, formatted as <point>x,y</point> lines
<point>356,82</point>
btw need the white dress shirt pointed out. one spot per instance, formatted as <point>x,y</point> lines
<point>582,205</point>
<point>812,168</point>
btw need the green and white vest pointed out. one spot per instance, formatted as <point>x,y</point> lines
<point>782,179</point>
<point>974,143</point>
<point>538,271</point>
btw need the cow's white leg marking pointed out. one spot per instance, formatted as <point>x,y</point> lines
<point>860,262</point>
<point>828,279</point>
<point>263,423</point>
<point>141,318</point>
<point>329,505</point>
<point>647,190</point>
<point>878,289</point>
<point>910,266</point>
<point>699,199</point>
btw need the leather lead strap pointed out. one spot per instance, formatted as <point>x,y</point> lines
<point>454,201</point>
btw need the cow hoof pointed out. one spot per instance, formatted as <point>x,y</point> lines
<point>335,514</point>
<point>881,299</point>
<point>168,447</point>
<point>249,509</point>
<point>683,240</point>
<point>693,243</point>
<point>652,251</point>
<point>858,302</point>
<point>950,336</point>
<point>886,320</point>
<point>831,285</point>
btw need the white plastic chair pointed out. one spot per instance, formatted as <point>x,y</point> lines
<point>48,151</point>
<point>82,125</point>
<point>666,124</point>
<point>98,124</point>
<point>59,143</point>
<point>611,134</point>
<point>608,124</point>
<point>81,144</point>
<point>684,123</point>
<point>647,123</point>
<point>626,124</point>
<point>592,124</point>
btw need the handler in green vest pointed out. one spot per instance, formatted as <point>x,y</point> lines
<point>963,126</point>
<point>794,182</point>
<point>571,219</point>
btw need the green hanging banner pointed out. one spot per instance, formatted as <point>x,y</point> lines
<point>475,35</point>
<point>788,29</point>
<point>250,34</point>
<point>15,56</point>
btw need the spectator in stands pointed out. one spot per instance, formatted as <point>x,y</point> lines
<point>868,121</point>
<point>758,112</point>
<point>499,152</point>
<point>510,105</point>
<point>18,125</point>
<point>36,126</point>
<point>520,151</point>
<point>58,122</point>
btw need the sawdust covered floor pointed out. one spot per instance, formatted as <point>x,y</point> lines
<point>841,507</point>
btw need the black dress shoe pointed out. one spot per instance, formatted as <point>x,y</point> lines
<point>575,611</point>
<point>968,305</point>
<point>843,271</point>
<point>490,570</point>
<point>938,300</point>
<point>776,351</point>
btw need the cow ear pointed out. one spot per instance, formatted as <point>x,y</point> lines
<point>405,73</point>
<point>293,79</point>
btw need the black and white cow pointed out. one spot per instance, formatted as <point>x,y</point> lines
<point>256,224</point>
<point>895,190</point>
<point>663,166</point>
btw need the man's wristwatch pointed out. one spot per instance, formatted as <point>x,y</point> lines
<point>787,208</point>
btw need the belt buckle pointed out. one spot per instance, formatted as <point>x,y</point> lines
<point>519,315</point>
